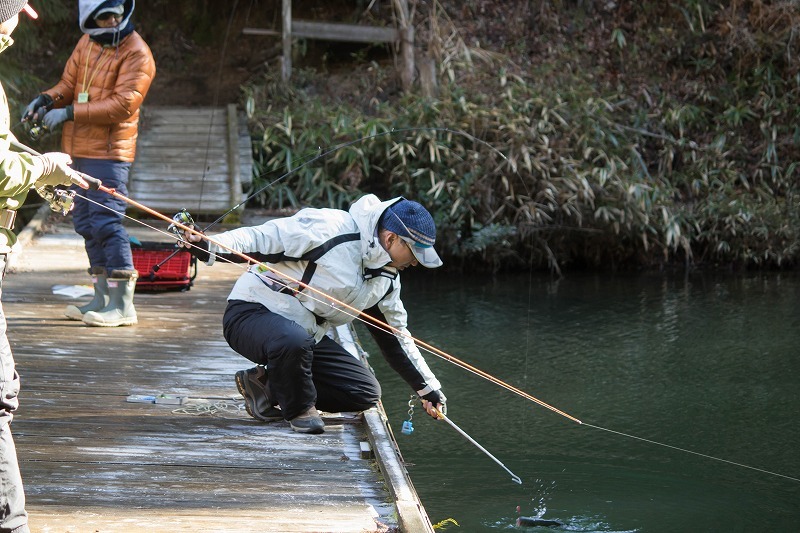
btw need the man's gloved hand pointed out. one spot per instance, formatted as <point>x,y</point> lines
<point>37,108</point>
<point>435,399</point>
<point>55,169</point>
<point>54,117</point>
<point>197,246</point>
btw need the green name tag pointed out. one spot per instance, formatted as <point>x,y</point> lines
<point>83,98</point>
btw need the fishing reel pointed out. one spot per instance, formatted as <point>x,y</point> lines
<point>181,217</point>
<point>60,200</point>
<point>38,131</point>
<point>38,128</point>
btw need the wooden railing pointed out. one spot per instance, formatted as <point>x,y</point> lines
<point>403,35</point>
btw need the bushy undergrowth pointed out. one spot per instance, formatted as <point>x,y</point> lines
<point>562,134</point>
<point>676,145</point>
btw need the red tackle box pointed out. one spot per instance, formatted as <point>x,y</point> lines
<point>162,266</point>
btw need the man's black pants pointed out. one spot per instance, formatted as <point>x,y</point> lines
<point>301,373</point>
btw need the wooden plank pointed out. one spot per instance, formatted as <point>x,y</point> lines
<point>94,462</point>
<point>169,180</point>
<point>406,38</point>
<point>181,141</point>
<point>198,115</point>
<point>261,31</point>
<point>201,154</point>
<point>188,201</point>
<point>334,31</point>
<point>167,173</point>
<point>182,154</point>
<point>199,131</point>
<point>209,194</point>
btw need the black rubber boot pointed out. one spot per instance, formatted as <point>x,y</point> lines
<point>100,300</point>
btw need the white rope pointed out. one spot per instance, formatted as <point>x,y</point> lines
<point>200,407</point>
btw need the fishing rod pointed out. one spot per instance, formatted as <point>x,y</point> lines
<point>586,424</point>
<point>95,184</point>
<point>439,414</point>
<point>357,313</point>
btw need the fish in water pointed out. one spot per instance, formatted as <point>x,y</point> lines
<point>529,521</point>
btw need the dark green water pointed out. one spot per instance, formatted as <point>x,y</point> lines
<point>709,364</point>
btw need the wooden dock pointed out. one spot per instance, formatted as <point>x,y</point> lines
<point>198,158</point>
<point>92,461</point>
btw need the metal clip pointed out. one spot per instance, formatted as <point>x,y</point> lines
<point>408,427</point>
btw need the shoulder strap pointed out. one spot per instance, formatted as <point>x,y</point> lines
<point>315,254</point>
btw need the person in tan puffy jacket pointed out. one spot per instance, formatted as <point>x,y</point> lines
<point>97,100</point>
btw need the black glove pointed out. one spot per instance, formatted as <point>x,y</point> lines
<point>437,397</point>
<point>38,107</point>
<point>200,250</point>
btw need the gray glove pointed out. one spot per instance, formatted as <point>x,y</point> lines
<point>55,169</point>
<point>54,117</point>
<point>37,108</point>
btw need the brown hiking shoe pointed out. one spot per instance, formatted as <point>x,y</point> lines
<point>308,422</point>
<point>252,385</point>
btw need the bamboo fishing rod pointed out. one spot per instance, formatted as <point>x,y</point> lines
<point>356,312</point>
<point>96,185</point>
<point>364,318</point>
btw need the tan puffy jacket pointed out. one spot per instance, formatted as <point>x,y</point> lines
<point>117,79</point>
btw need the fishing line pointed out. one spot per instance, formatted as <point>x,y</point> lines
<point>369,320</point>
<point>357,315</point>
<point>336,148</point>
<point>215,102</point>
<point>691,452</point>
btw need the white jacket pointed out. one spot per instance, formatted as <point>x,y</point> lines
<point>333,251</point>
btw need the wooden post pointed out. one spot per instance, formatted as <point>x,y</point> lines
<point>286,41</point>
<point>233,163</point>
<point>407,66</point>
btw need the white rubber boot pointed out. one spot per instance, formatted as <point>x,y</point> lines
<point>120,310</point>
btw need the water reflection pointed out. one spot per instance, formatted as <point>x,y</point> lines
<point>705,363</point>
